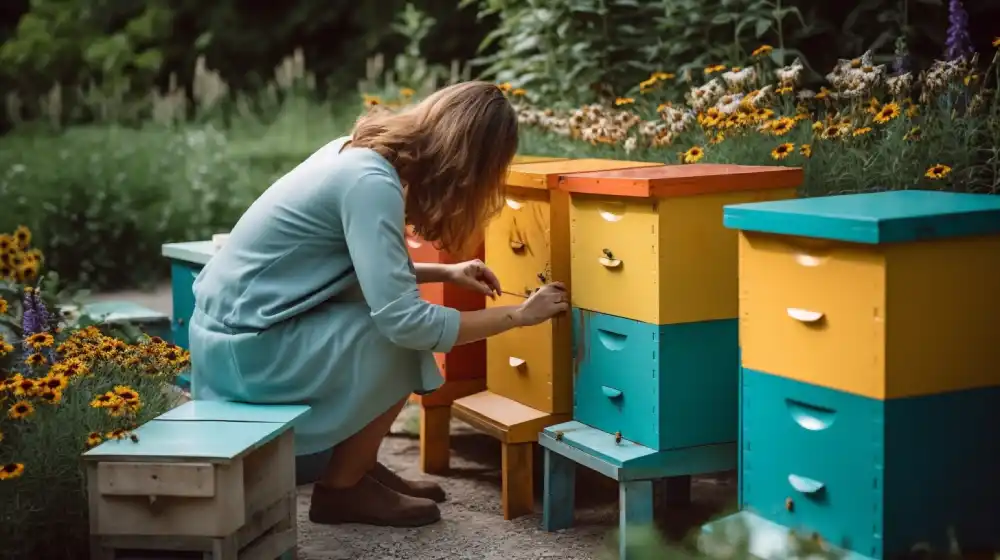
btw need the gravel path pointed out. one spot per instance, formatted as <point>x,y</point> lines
<point>473,525</point>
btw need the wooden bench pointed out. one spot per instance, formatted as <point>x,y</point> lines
<point>211,477</point>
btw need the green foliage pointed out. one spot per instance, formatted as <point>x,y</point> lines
<point>581,50</point>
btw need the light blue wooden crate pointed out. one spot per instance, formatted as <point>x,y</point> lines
<point>112,312</point>
<point>222,411</point>
<point>165,440</point>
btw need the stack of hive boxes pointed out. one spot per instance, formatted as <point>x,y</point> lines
<point>464,368</point>
<point>529,377</point>
<point>870,385</point>
<point>655,327</point>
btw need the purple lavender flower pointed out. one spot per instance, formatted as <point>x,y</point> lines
<point>959,43</point>
<point>35,319</point>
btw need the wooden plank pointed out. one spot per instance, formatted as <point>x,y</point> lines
<point>269,473</point>
<point>435,439</point>
<point>222,411</point>
<point>197,252</point>
<point>215,442</point>
<point>271,546</point>
<point>189,480</point>
<point>578,456</point>
<point>517,493</point>
<point>635,503</point>
<point>504,419</point>
<point>264,520</point>
<point>559,493</point>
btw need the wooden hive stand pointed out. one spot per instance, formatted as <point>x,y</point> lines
<point>528,370</point>
<point>210,477</point>
<point>655,306</point>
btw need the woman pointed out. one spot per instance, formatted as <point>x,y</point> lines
<point>314,298</point>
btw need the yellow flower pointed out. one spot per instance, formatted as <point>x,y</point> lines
<point>117,434</point>
<point>6,243</point>
<point>624,101</point>
<point>36,359</point>
<point>806,150</point>
<point>520,92</point>
<point>40,340</point>
<point>783,90</point>
<point>20,410</point>
<point>23,386</point>
<point>718,138</point>
<point>762,114</point>
<point>406,92</point>
<point>823,93</point>
<point>970,79</point>
<point>781,126</point>
<point>11,470</point>
<point>127,394</point>
<point>505,87</point>
<point>3,306</point>
<point>371,100</point>
<point>5,348</point>
<point>715,68</point>
<point>833,131</point>
<point>51,396</point>
<point>782,150</point>
<point>53,381</point>
<point>663,76</point>
<point>762,50</point>
<point>105,400</point>
<point>693,155</point>
<point>647,85</point>
<point>861,131</point>
<point>939,171</point>
<point>23,236</point>
<point>888,112</point>
<point>27,272</point>
<point>94,439</point>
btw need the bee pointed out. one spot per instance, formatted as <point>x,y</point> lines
<point>618,438</point>
<point>789,504</point>
<point>559,436</point>
<point>541,277</point>
<point>134,438</point>
<point>608,253</point>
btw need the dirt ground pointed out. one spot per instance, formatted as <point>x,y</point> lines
<point>473,526</point>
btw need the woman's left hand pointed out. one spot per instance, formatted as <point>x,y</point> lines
<point>475,276</point>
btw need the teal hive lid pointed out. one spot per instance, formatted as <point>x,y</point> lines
<point>883,217</point>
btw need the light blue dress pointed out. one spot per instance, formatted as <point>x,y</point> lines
<point>313,300</point>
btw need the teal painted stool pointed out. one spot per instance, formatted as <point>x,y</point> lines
<point>634,466</point>
<point>116,312</point>
<point>211,477</point>
<point>186,262</point>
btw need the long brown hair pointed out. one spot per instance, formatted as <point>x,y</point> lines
<point>451,151</point>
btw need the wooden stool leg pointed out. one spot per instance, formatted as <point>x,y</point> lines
<point>635,502</point>
<point>518,487</point>
<point>557,500</point>
<point>435,439</point>
<point>290,522</point>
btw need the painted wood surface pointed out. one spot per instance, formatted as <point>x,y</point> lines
<point>502,418</point>
<point>203,440</point>
<point>194,252</point>
<point>182,276</point>
<point>682,180</point>
<point>221,411</point>
<point>672,256</point>
<point>874,218</point>
<point>545,175</point>
<point>885,321</point>
<point>870,475</point>
<point>665,387</point>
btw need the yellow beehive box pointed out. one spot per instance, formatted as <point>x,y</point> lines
<point>649,245</point>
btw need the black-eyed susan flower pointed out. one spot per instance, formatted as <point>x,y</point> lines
<point>782,126</point>
<point>519,92</point>
<point>806,150</point>
<point>118,433</point>
<point>117,408</point>
<point>50,396</point>
<point>718,138</point>
<point>105,400</point>
<point>27,272</point>
<point>23,386</point>
<point>939,171</point>
<point>5,347</point>
<point>406,92</point>
<point>40,340</point>
<point>20,410</point>
<point>762,50</point>
<point>624,101</point>
<point>888,112</point>
<point>714,68</point>
<point>127,394</point>
<point>505,87</point>
<point>4,307</point>
<point>861,131</point>
<point>833,131</point>
<point>36,359</point>
<point>11,470</point>
<point>781,151</point>
<point>22,235</point>
<point>94,439</point>
<point>54,381</point>
<point>693,155</point>
<point>7,243</point>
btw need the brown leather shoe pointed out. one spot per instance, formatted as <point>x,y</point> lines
<point>415,488</point>
<point>370,503</point>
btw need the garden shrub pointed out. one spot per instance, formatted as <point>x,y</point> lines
<point>63,390</point>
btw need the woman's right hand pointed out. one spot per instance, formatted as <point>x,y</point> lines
<point>547,302</point>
